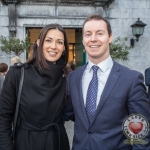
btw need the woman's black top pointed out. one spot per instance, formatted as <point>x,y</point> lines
<point>40,125</point>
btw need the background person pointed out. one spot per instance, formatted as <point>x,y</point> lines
<point>103,93</point>
<point>147,81</point>
<point>15,59</point>
<point>40,125</point>
<point>3,70</point>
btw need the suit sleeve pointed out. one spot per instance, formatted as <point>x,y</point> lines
<point>147,76</point>
<point>139,104</point>
<point>68,113</point>
<point>7,109</point>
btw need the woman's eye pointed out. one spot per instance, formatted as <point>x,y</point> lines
<point>47,40</point>
<point>59,42</point>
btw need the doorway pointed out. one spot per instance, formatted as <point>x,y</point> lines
<point>77,56</point>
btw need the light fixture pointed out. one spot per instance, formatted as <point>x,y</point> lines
<point>137,30</point>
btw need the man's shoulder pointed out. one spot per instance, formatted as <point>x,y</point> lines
<point>77,72</point>
<point>126,70</point>
<point>79,69</point>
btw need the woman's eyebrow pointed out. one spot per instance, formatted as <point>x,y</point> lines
<point>52,38</point>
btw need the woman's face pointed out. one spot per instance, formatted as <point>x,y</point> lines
<point>53,45</point>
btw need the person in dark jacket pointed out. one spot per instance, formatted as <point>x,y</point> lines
<point>40,125</point>
<point>147,81</point>
<point>3,70</point>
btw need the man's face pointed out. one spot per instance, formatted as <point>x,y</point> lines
<point>96,40</point>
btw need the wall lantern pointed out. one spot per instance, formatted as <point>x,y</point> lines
<point>137,30</point>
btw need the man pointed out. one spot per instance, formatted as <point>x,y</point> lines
<point>147,80</point>
<point>103,94</point>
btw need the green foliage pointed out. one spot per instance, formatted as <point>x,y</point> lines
<point>119,49</point>
<point>13,45</point>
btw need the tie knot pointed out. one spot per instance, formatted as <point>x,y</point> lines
<point>95,68</point>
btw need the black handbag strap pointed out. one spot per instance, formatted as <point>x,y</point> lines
<point>18,101</point>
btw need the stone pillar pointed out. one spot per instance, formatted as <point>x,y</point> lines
<point>12,17</point>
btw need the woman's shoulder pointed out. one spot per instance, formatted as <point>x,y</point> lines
<point>20,65</point>
<point>16,68</point>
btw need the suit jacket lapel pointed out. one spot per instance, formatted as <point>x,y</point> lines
<point>79,82</point>
<point>111,81</point>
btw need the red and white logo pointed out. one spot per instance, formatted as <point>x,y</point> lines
<point>135,126</point>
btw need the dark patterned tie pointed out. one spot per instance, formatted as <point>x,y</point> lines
<point>92,95</point>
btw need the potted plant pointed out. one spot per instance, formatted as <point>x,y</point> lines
<point>119,49</point>
<point>14,46</point>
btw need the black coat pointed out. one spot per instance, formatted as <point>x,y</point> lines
<point>40,125</point>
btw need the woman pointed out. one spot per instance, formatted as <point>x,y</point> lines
<point>40,125</point>
<point>3,70</point>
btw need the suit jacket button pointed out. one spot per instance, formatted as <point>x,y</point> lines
<point>90,133</point>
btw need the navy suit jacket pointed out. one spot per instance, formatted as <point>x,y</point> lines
<point>147,80</point>
<point>123,94</point>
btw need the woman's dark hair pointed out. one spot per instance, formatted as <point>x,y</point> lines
<point>98,17</point>
<point>3,67</point>
<point>37,51</point>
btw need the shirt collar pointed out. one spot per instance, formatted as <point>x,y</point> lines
<point>104,65</point>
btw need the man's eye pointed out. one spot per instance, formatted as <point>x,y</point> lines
<point>99,34</point>
<point>87,35</point>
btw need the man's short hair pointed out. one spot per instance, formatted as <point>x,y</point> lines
<point>98,17</point>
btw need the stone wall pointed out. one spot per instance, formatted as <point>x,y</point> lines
<point>122,14</point>
<point>4,31</point>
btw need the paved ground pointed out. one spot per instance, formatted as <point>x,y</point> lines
<point>69,128</point>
